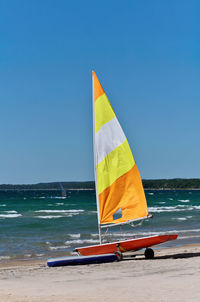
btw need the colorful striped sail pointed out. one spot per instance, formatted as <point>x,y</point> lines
<point>119,190</point>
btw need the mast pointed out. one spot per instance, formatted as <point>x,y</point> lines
<point>95,172</point>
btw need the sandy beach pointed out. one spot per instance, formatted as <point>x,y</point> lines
<point>173,275</point>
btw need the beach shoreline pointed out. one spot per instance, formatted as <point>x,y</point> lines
<point>172,276</point>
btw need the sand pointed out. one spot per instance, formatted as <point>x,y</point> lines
<point>173,275</point>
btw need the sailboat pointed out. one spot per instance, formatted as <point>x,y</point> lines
<point>63,191</point>
<point>120,195</point>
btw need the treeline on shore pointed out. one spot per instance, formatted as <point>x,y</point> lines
<point>176,183</point>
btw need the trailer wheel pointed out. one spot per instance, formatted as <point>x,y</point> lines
<point>149,253</point>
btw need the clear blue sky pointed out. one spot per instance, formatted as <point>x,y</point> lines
<point>147,57</point>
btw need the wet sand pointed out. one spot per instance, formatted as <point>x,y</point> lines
<point>173,275</point>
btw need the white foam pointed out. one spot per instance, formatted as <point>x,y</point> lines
<point>95,235</point>
<point>151,193</point>
<point>165,232</point>
<point>188,231</point>
<point>180,218</point>
<point>139,234</point>
<point>11,212</point>
<point>184,200</point>
<point>60,211</point>
<point>59,203</point>
<point>49,217</point>
<point>188,237</point>
<point>196,207</point>
<point>179,208</point>
<point>79,241</point>
<point>171,199</point>
<point>75,235</point>
<point>10,215</point>
<point>52,248</point>
<point>3,205</point>
<point>122,234</point>
<point>4,257</point>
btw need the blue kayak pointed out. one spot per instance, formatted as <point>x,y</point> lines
<point>80,260</point>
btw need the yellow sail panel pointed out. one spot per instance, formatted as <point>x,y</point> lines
<point>114,165</point>
<point>118,183</point>
<point>103,112</point>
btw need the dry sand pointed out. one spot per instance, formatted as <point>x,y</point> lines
<point>174,275</point>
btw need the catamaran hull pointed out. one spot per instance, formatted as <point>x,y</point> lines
<point>125,246</point>
<point>81,260</point>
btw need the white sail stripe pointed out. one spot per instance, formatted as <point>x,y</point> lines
<point>109,137</point>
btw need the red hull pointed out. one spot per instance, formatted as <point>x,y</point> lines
<point>124,246</point>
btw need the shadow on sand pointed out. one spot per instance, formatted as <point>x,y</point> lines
<point>171,256</point>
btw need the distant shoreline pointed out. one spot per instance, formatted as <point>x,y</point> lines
<point>148,184</point>
<point>88,189</point>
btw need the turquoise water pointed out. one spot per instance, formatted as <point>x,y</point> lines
<point>40,224</point>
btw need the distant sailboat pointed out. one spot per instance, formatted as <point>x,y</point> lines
<point>63,191</point>
<point>119,192</point>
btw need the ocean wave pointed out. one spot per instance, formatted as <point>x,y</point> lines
<point>61,247</point>
<point>3,205</point>
<point>10,215</point>
<point>188,231</point>
<point>179,208</point>
<point>80,241</point>
<point>60,211</point>
<point>60,203</point>
<point>196,207</point>
<point>50,197</point>
<point>122,234</point>
<point>51,217</point>
<point>189,237</point>
<point>150,193</point>
<point>4,257</point>
<point>184,200</point>
<point>180,218</point>
<point>11,212</point>
<point>155,233</point>
<point>28,255</point>
<point>75,235</point>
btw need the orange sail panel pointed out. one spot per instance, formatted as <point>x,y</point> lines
<point>120,192</point>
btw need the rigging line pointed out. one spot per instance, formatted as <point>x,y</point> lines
<point>136,225</point>
<point>106,234</point>
<point>126,222</point>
